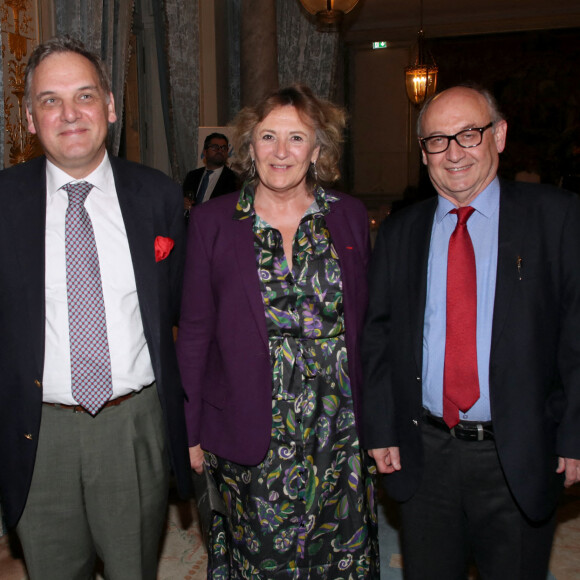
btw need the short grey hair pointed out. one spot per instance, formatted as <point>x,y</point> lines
<point>60,45</point>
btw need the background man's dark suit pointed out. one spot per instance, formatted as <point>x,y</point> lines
<point>535,350</point>
<point>227,182</point>
<point>149,208</point>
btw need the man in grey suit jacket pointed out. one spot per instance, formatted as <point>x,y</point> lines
<point>481,481</point>
<point>91,403</point>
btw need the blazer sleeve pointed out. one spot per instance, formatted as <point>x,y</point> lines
<point>378,422</point>
<point>190,182</point>
<point>227,183</point>
<point>177,256</point>
<point>197,324</point>
<point>568,441</point>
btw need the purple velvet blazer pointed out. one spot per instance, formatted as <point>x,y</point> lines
<point>223,345</point>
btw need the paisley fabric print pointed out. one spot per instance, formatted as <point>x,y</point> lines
<point>307,511</point>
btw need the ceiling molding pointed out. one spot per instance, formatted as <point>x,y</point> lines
<point>391,20</point>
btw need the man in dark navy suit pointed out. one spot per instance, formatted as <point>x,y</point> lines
<point>213,180</point>
<point>475,418</point>
<point>91,403</point>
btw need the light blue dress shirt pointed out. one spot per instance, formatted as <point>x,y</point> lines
<point>483,230</point>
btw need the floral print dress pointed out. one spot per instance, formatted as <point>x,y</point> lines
<point>307,511</point>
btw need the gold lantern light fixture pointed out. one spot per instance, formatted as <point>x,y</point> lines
<point>329,13</point>
<point>421,76</point>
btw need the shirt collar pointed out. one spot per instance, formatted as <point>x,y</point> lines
<point>216,172</point>
<point>245,207</point>
<point>101,178</point>
<point>486,203</point>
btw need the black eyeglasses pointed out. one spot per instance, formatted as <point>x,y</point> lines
<point>215,147</point>
<point>466,139</point>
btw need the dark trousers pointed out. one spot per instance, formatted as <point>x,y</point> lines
<point>464,510</point>
<point>100,488</point>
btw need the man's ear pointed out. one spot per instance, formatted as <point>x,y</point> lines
<point>30,121</point>
<point>500,134</point>
<point>423,155</point>
<point>112,116</point>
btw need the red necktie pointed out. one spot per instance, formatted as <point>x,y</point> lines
<point>460,379</point>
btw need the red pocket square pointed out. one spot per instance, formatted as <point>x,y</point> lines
<point>163,247</point>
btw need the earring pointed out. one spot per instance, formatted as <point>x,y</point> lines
<point>252,172</point>
<point>314,171</point>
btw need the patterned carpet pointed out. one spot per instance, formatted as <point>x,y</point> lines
<point>183,555</point>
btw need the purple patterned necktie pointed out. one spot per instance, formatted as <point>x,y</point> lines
<point>92,384</point>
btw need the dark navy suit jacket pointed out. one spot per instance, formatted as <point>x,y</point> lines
<point>151,205</point>
<point>227,182</point>
<point>535,348</point>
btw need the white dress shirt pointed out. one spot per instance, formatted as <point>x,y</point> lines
<point>130,361</point>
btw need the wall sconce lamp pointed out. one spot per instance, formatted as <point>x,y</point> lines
<point>329,13</point>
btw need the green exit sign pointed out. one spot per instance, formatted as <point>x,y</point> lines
<point>381,44</point>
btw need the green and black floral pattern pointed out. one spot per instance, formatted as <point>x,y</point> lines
<point>307,511</point>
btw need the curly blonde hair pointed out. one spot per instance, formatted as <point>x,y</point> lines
<point>327,119</point>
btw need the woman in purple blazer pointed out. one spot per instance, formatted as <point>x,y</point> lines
<point>273,305</point>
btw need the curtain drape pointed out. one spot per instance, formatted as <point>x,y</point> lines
<point>177,32</point>
<point>304,54</point>
<point>1,167</point>
<point>234,97</point>
<point>104,26</point>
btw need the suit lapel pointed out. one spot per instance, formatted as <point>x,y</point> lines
<point>344,240</point>
<point>27,210</point>
<point>197,180</point>
<point>136,209</point>
<point>419,242</point>
<point>512,225</point>
<point>243,242</point>
<point>219,182</point>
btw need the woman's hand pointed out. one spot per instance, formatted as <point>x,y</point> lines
<point>196,458</point>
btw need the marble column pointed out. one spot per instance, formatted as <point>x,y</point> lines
<point>258,50</point>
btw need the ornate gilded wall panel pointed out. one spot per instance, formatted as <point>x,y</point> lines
<point>19,21</point>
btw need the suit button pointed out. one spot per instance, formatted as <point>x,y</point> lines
<point>28,436</point>
<point>38,383</point>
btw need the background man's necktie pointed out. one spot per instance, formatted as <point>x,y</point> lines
<point>203,187</point>
<point>460,378</point>
<point>92,384</point>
